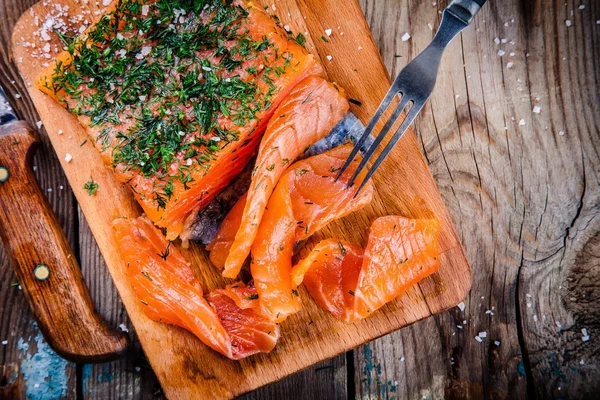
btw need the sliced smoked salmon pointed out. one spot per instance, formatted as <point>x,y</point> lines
<point>176,95</point>
<point>306,198</point>
<point>330,273</point>
<point>351,285</point>
<point>168,291</point>
<point>219,247</point>
<point>304,117</point>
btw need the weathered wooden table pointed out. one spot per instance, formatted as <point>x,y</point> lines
<point>512,136</point>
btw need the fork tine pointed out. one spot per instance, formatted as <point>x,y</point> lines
<point>385,103</point>
<point>397,135</point>
<point>384,131</point>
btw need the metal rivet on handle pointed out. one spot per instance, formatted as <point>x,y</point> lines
<point>4,174</point>
<point>41,272</point>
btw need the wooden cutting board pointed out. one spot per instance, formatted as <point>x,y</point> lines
<point>185,367</point>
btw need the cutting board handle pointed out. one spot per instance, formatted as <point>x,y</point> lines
<point>45,265</point>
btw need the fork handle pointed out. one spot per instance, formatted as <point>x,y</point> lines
<point>465,10</point>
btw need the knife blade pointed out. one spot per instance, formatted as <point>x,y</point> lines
<point>46,268</point>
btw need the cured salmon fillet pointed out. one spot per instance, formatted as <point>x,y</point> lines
<point>306,199</point>
<point>304,117</point>
<point>351,284</point>
<point>168,291</point>
<point>176,95</point>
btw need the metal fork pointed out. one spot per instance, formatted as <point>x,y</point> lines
<point>415,84</point>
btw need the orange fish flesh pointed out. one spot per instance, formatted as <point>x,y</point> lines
<point>169,292</point>
<point>352,284</point>
<point>306,199</point>
<point>304,117</point>
<point>176,98</point>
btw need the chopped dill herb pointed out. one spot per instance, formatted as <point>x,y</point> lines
<point>252,296</point>
<point>351,292</point>
<point>166,253</point>
<point>91,187</point>
<point>342,248</point>
<point>155,86</point>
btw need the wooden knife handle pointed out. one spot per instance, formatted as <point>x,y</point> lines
<point>61,302</point>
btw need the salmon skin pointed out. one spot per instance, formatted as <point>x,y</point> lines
<point>176,95</point>
<point>306,198</point>
<point>304,117</point>
<point>352,284</point>
<point>169,292</point>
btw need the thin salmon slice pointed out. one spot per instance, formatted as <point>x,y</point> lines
<point>352,284</point>
<point>219,247</point>
<point>306,198</point>
<point>250,332</point>
<point>304,117</point>
<point>169,292</point>
<point>330,273</point>
<point>176,96</point>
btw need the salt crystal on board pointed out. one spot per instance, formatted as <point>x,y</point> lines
<point>522,122</point>
<point>568,22</point>
<point>497,343</point>
<point>461,305</point>
<point>581,6</point>
<point>537,109</point>
<point>405,37</point>
<point>123,328</point>
<point>478,339</point>
<point>4,342</point>
<point>501,53</point>
<point>39,124</point>
<point>509,64</point>
<point>586,336</point>
<point>581,362</point>
<point>482,334</point>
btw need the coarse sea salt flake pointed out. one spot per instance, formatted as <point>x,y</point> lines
<point>68,157</point>
<point>478,339</point>
<point>405,37</point>
<point>509,64</point>
<point>501,53</point>
<point>39,124</point>
<point>123,328</point>
<point>482,334</point>
<point>145,9</point>
<point>329,57</point>
<point>537,109</point>
<point>568,22</point>
<point>189,162</point>
<point>106,2</point>
<point>328,32</point>
<point>461,306</point>
<point>497,343</point>
<point>287,28</point>
<point>522,122</point>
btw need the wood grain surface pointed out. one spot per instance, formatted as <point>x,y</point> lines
<point>404,186</point>
<point>504,204</point>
